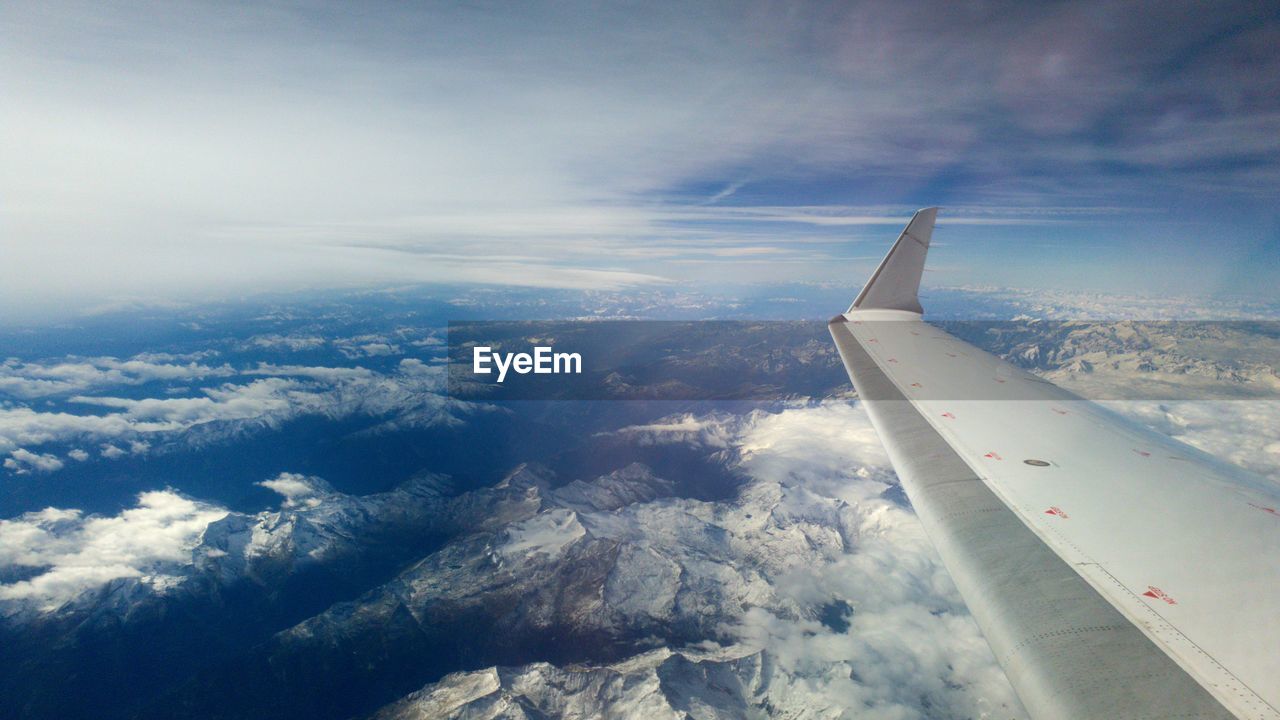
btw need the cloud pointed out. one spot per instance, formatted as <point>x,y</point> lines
<point>904,661</point>
<point>415,367</point>
<point>21,426</point>
<point>366,346</point>
<point>810,442</point>
<point>714,430</point>
<point>171,153</point>
<point>909,647</point>
<point>64,555</point>
<point>258,399</point>
<point>299,491</point>
<point>1073,304</point>
<point>412,394</point>
<point>323,374</point>
<point>22,462</point>
<point>35,380</point>
<point>292,343</point>
<point>72,553</point>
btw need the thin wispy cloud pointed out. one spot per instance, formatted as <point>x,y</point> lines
<point>727,192</point>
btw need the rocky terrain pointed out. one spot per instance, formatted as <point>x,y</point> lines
<point>1140,360</point>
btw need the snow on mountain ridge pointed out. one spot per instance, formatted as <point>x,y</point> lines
<point>735,590</point>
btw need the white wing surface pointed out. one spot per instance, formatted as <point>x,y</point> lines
<point>1115,572</point>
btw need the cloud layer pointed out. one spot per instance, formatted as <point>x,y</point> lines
<point>265,396</point>
<point>161,151</point>
<point>27,380</point>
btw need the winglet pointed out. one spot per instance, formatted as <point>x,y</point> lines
<point>895,285</point>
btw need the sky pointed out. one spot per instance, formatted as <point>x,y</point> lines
<point>181,152</point>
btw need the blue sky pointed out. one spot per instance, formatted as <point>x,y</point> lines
<point>173,153</point>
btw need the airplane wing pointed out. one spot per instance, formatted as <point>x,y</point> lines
<point>1115,572</point>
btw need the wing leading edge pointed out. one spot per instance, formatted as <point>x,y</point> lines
<point>1114,572</point>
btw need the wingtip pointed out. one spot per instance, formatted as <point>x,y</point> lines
<point>929,214</point>
<point>895,284</point>
<point>921,225</point>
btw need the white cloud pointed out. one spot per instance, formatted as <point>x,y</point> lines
<point>909,635</point>
<point>298,490</point>
<point>20,426</point>
<point>687,429</point>
<point>815,442</point>
<point>259,398</point>
<point>151,541</point>
<point>1053,304</point>
<point>292,343</point>
<point>34,380</point>
<point>22,462</point>
<point>376,349</point>
<point>134,425</point>
<point>325,374</point>
<point>899,662</point>
<point>911,649</point>
<point>415,366</point>
<point>366,346</point>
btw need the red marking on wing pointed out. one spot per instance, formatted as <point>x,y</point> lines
<point>893,360</point>
<point>872,340</point>
<point>1158,594</point>
<point>1055,510</point>
<point>1060,411</point>
<point>1266,509</point>
<point>916,385</point>
<point>949,416</point>
<point>993,455</point>
<point>1143,453</point>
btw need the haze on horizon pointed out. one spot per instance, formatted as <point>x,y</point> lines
<point>161,152</point>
